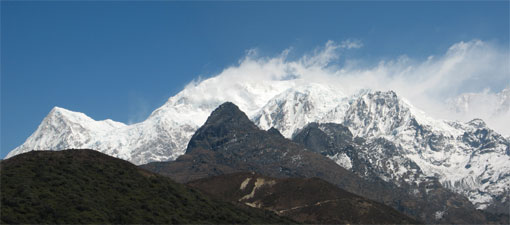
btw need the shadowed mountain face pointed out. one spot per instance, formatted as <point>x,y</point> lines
<point>85,187</point>
<point>229,142</point>
<point>307,200</point>
<point>337,142</point>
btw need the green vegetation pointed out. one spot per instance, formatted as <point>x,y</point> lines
<point>85,186</point>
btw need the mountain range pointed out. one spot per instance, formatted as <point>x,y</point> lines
<point>391,139</point>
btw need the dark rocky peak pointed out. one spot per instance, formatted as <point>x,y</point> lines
<point>324,138</point>
<point>229,115</point>
<point>225,122</point>
<point>314,139</point>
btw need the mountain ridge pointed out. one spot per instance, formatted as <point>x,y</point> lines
<point>225,144</point>
<point>288,106</point>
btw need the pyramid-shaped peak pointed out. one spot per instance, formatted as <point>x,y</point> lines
<point>229,115</point>
<point>227,111</point>
<point>225,121</point>
<point>57,109</point>
<point>227,107</point>
<point>62,119</point>
<point>58,112</point>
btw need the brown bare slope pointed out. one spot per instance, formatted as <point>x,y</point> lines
<point>307,200</point>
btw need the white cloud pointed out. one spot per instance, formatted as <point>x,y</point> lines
<point>348,44</point>
<point>472,66</point>
<point>494,108</point>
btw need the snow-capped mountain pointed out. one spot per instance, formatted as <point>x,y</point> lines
<point>164,135</point>
<point>468,158</point>
<point>63,129</point>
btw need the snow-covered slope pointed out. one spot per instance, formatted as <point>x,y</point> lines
<point>164,135</point>
<point>468,158</point>
<point>63,129</point>
<point>298,106</point>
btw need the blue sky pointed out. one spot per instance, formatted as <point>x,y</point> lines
<point>121,60</point>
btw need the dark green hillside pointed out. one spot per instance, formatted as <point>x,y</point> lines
<point>85,186</point>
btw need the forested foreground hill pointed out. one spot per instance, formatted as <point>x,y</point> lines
<point>85,186</point>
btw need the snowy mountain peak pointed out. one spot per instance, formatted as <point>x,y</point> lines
<point>70,117</point>
<point>298,106</point>
<point>463,156</point>
<point>64,129</point>
<point>477,123</point>
<point>57,109</point>
<point>67,115</point>
<point>377,113</point>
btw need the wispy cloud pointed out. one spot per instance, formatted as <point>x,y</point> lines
<point>472,66</point>
<point>351,43</point>
<point>138,108</point>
